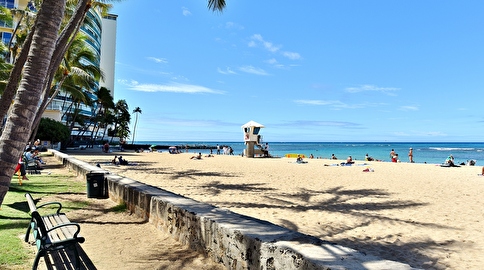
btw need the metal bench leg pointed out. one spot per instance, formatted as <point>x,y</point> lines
<point>37,259</point>
<point>76,253</point>
<point>27,234</point>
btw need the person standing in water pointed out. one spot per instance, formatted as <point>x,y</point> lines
<point>410,155</point>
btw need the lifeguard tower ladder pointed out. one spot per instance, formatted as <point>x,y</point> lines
<point>252,138</point>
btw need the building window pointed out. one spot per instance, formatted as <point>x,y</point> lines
<point>7,3</point>
<point>6,36</point>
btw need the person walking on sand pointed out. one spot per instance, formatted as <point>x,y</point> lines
<point>410,155</point>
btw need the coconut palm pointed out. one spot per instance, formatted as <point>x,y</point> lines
<point>136,111</point>
<point>75,75</point>
<point>30,90</point>
<point>121,120</point>
<point>30,81</point>
<point>104,104</point>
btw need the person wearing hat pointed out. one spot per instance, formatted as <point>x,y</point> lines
<point>410,155</point>
<point>450,161</point>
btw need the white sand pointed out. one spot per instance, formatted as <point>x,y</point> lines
<point>421,214</point>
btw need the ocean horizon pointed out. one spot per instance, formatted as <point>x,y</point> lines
<point>423,152</point>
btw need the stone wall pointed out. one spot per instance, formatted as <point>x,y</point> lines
<point>236,241</point>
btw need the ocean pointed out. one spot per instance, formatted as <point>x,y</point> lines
<point>433,153</point>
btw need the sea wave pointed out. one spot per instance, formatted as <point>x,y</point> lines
<point>452,149</point>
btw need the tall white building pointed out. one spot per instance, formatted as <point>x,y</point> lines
<point>108,51</point>
<point>102,41</point>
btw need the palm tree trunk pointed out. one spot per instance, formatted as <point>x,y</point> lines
<point>134,129</point>
<point>25,106</point>
<point>15,75</point>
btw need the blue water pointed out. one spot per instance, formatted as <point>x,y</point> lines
<point>433,153</point>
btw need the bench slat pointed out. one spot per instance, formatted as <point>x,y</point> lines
<point>52,232</point>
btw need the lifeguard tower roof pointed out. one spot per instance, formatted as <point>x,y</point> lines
<point>252,124</point>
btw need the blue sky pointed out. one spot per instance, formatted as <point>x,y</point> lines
<point>353,70</point>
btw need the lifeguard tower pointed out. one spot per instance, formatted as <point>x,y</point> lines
<point>252,138</point>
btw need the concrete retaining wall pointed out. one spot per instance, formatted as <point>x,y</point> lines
<point>237,241</point>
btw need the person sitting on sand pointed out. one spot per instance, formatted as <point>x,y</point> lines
<point>450,161</point>
<point>114,162</point>
<point>349,160</point>
<point>122,161</point>
<point>395,158</point>
<point>311,156</point>
<point>300,160</point>
<point>368,158</point>
<point>333,156</point>
<point>199,156</point>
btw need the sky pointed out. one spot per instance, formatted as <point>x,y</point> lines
<point>309,71</point>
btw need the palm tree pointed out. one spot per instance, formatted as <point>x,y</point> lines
<point>30,90</point>
<point>75,75</point>
<point>30,81</point>
<point>104,104</point>
<point>121,120</point>
<point>136,111</point>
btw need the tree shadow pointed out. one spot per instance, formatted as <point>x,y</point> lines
<point>345,202</point>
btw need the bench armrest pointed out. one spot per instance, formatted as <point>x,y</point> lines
<point>65,225</point>
<point>51,203</point>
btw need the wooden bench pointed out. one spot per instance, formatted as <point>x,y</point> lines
<point>52,231</point>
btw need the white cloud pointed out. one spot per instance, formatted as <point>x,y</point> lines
<point>369,87</point>
<point>409,108</point>
<point>257,39</point>
<point>304,123</point>
<point>172,88</point>
<point>335,104</point>
<point>317,102</point>
<point>292,55</point>
<point>253,70</point>
<point>266,44</point>
<point>158,60</point>
<point>186,12</point>
<point>227,71</point>
<point>272,61</point>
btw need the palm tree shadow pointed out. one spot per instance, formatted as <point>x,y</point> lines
<point>348,203</point>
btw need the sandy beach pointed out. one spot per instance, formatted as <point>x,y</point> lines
<point>421,214</point>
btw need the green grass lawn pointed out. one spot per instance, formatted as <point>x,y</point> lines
<point>14,216</point>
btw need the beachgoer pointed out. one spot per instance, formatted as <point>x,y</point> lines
<point>32,156</point>
<point>368,158</point>
<point>333,156</point>
<point>410,155</point>
<point>106,147</point>
<point>395,157</point>
<point>450,160</point>
<point>21,167</point>
<point>199,156</point>
<point>299,159</point>
<point>122,161</point>
<point>218,149</point>
<point>349,160</point>
<point>311,156</point>
<point>266,150</point>
<point>114,162</point>
<point>392,154</point>
<point>37,143</point>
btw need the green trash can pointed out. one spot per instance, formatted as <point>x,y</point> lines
<point>96,185</point>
